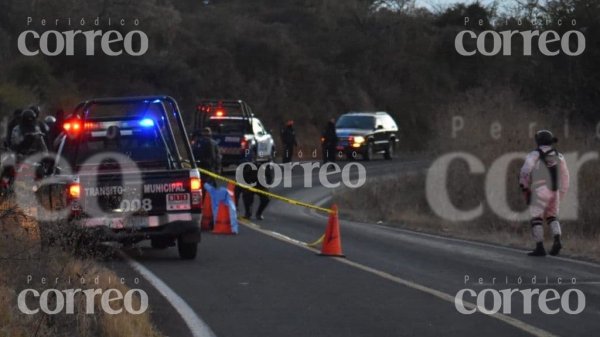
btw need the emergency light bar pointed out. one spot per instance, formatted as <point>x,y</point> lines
<point>75,126</point>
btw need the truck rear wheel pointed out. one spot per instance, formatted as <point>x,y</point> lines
<point>187,250</point>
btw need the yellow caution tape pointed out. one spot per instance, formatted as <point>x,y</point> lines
<point>269,194</point>
<point>318,242</point>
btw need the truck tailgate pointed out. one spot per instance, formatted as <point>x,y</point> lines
<point>142,193</point>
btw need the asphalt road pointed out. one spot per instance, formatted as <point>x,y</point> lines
<point>392,283</point>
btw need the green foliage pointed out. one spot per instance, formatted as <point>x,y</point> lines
<point>13,97</point>
<point>306,60</point>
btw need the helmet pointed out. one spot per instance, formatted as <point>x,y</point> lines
<point>28,117</point>
<point>207,132</point>
<point>113,133</point>
<point>545,137</point>
<point>50,120</point>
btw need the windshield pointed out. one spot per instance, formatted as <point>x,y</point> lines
<point>355,122</point>
<point>148,131</point>
<point>142,141</point>
<point>228,126</point>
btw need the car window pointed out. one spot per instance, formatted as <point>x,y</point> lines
<point>225,126</point>
<point>147,146</point>
<point>355,122</point>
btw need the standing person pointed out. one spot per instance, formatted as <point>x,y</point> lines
<point>206,151</point>
<point>251,176</point>
<point>27,138</point>
<point>544,179</point>
<point>330,140</point>
<point>288,138</point>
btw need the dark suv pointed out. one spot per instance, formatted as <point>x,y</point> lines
<point>367,133</point>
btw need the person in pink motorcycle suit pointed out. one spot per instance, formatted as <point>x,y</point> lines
<point>544,179</point>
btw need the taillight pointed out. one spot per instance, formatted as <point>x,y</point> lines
<point>195,184</point>
<point>244,143</point>
<point>75,191</point>
<point>196,189</point>
<point>73,198</point>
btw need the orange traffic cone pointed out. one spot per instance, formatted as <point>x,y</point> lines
<point>207,214</point>
<point>223,222</point>
<point>332,243</point>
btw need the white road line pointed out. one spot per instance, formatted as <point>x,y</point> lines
<point>196,325</point>
<point>530,329</point>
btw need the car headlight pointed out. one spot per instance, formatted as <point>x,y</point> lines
<point>359,139</point>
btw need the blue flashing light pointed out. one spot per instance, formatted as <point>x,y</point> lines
<point>147,123</point>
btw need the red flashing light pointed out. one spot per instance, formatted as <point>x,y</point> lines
<point>73,126</point>
<point>219,113</point>
<point>90,125</point>
<point>204,108</point>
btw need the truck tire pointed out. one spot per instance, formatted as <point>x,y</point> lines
<point>187,250</point>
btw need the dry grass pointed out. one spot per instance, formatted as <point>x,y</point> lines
<point>20,256</point>
<point>400,200</point>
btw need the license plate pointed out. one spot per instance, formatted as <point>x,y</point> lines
<point>178,202</point>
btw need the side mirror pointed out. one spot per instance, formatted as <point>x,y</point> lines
<point>379,127</point>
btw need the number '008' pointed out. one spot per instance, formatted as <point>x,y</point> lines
<point>135,205</point>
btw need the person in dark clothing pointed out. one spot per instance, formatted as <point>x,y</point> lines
<point>27,138</point>
<point>288,138</point>
<point>330,140</point>
<point>16,120</point>
<point>251,176</point>
<point>206,152</point>
<point>44,128</point>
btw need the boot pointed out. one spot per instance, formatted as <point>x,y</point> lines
<point>539,250</point>
<point>556,246</point>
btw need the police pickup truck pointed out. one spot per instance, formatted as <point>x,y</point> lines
<point>240,135</point>
<point>129,173</point>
